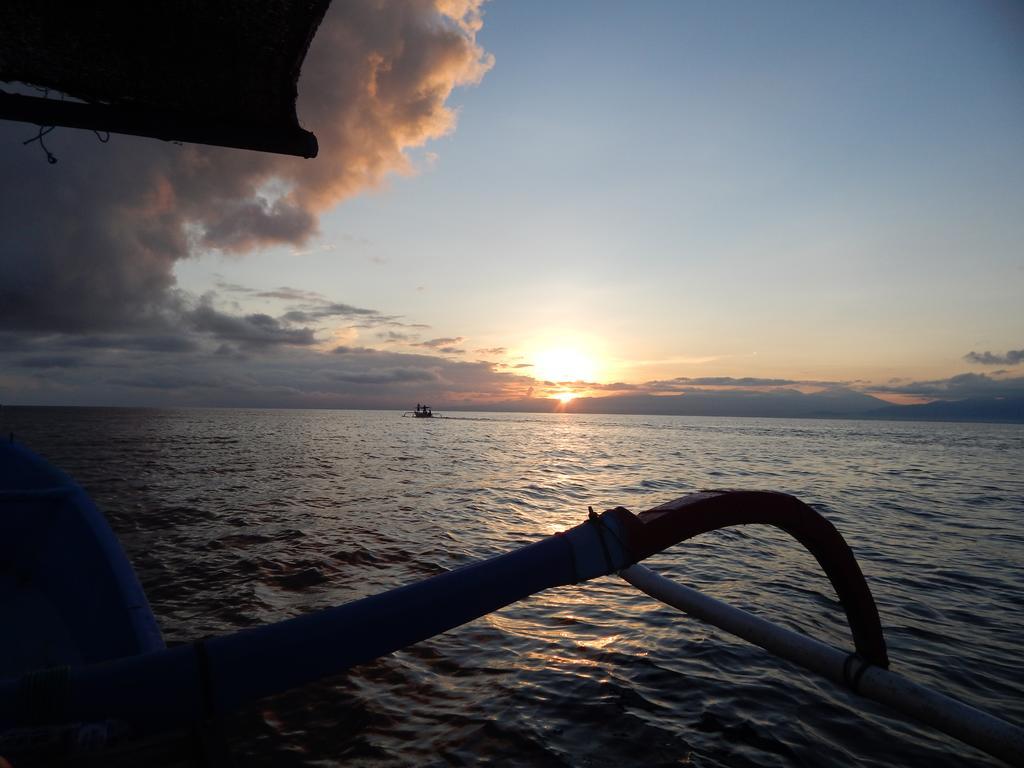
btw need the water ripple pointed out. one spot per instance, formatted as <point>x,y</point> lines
<point>234,518</point>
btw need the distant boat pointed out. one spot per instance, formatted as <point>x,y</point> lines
<point>421,412</point>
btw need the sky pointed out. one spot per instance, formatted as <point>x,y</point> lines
<point>532,205</point>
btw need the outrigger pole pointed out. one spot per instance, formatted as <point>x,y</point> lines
<point>167,689</point>
<point>972,726</point>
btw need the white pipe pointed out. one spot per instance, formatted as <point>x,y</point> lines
<point>971,726</point>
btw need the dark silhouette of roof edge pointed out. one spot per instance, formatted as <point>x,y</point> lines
<point>151,123</point>
<point>224,73</point>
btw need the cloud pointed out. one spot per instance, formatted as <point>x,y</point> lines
<point>1012,357</point>
<point>169,380</point>
<point>346,350</point>
<point>13,342</point>
<point>444,341</point>
<point>684,382</point>
<point>960,387</point>
<point>293,294</point>
<point>272,374</point>
<point>620,386</point>
<point>233,287</point>
<point>344,310</point>
<point>315,309</point>
<point>153,343</point>
<point>386,376</point>
<point>326,309</point>
<point>89,244</point>
<point>51,361</point>
<point>256,330</point>
<point>228,351</point>
<point>491,350</point>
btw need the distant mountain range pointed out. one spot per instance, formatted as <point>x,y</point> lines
<point>835,403</point>
<point>1008,409</point>
<point>789,403</point>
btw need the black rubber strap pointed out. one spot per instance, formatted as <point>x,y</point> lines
<point>42,695</point>
<point>596,521</point>
<point>205,679</point>
<point>572,557</point>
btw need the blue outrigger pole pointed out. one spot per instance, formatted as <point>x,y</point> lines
<point>168,688</point>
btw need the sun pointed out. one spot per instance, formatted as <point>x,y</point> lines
<point>564,364</point>
<point>565,397</point>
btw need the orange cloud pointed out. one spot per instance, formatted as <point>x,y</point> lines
<point>101,253</point>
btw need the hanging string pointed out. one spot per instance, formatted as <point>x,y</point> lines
<point>43,131</point>
<point>102,136</point>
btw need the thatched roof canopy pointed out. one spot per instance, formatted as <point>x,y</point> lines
<point>221,72</point>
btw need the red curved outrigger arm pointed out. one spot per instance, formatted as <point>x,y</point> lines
<point>661,527</point>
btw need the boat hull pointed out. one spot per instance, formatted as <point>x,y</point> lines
<point>69,591</point>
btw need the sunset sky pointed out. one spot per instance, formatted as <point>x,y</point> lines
<point>544,200</point>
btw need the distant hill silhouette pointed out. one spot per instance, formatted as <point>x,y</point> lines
<point>1007,409</point>
<point>836,403</point>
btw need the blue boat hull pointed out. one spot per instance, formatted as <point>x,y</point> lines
<point>68,591</point>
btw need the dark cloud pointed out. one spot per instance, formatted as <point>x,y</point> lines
<point>291,294</point>
<point>344,350</point>
<point>13,342</point>
<point>444,341</point>
<point>257,330</point>
<point>98,344</point>
<point>233,287</point>
<point>719,381</point>
<point>170,380</point>
<point>491,350</point>
<point>685,384</point>
<point>387,376</point>
<point>241,225</point>
<point>229,351</point>
<point>394,337</point>
<point>344,310</point>
<point>327,310</point>
<point>277,375</point>
<point>1012,357</point>
<point>618,386</point>
<point>156,343</point>
<point>89,244</point>
<point>740,385</point>
<point>961,387</point>
<point>298,316</point>
<point>50,361</point>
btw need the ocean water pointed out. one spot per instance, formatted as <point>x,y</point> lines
<point>233,518</point>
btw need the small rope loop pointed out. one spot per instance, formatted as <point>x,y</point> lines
<point>43,131</point>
